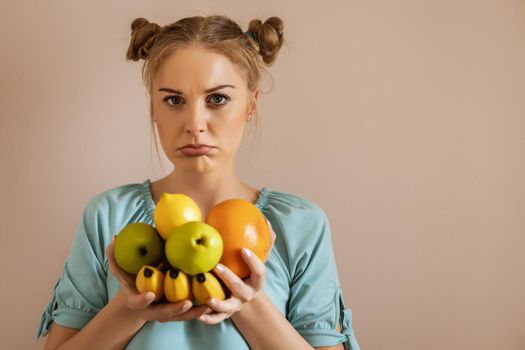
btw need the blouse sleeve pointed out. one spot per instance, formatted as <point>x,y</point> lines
<point>316,303</point>
<point>80,292</point>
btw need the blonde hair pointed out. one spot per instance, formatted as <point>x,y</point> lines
<point>249,51</point>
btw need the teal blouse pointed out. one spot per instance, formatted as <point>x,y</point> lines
<point>301,274</point>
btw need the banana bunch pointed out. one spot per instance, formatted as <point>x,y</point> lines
<point>176,286</point>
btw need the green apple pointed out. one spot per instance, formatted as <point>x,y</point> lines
<point>194,247</point>
<point>136,245</point>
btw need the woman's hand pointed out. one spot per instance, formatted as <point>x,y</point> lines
<point>141,303</point>
<point>243,291</point>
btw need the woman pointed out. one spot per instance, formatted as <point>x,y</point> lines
<point>202,74</point>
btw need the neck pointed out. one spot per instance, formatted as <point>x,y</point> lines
<point>207,189</point>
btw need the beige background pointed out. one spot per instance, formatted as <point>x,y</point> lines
<point>404,120</point>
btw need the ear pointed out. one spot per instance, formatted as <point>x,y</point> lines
<point>254,97</point>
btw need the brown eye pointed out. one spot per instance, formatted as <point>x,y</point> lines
<point>175,100</point>
<point>216,99</point>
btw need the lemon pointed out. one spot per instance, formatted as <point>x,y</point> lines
<point>172,210</point>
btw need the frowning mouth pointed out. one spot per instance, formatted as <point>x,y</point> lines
<point>195,151</point>
<point>196,145</point>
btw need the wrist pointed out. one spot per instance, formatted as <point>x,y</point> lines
<point>120,305</point>
<point>251,306</point>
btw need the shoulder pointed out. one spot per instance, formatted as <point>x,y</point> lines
<point>294,211</point>
<point>127,197</point>
<point>111,209</point>
<point>289,204</point>
<point>119,195</point>
<point>301,227</point>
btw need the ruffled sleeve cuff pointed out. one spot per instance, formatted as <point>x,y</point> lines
<point>329,337</point>
<point>317,338</point>
<point>45,321</point>
<point>347,330</point>
<point>62,315</point>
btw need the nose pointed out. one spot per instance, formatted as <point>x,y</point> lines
<point>196,121</point>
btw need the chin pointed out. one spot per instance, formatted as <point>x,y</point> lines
<point>202,164</point>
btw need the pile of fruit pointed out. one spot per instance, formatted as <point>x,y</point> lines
<point>175,259</point>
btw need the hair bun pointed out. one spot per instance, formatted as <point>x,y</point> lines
<point>138,23</point>
<point>143,35</point>
<point>269,37</point>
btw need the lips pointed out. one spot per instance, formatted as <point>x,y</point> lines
<point>195,145</point>
<point>196,151</point>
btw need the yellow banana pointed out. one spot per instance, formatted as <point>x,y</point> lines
<point>205,286</point>
<point>150,279</point>
<point>177,286</point>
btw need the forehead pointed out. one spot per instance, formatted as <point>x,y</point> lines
<point>197,67</point>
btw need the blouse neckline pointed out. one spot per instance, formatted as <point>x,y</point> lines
<point>262,199</point>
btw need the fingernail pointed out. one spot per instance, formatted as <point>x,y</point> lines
<point>213,302</point>
<point>269,223</point>
<point>246,252</point>
<point>220,268</point>
<point>202,318</point>
<point>150,296</point>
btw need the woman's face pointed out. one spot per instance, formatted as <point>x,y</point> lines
<point>199,97</point>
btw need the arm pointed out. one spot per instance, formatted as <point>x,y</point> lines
<point>260,317</point>
<point>253,312</point>
<point>112,328</point>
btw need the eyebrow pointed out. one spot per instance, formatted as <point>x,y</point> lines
<point>206,91</point>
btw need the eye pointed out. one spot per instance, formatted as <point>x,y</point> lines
<point>217,98</point>
<point>175,99</point>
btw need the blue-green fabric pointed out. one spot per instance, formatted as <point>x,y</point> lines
<point>301,274</point>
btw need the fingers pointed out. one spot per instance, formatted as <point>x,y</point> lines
<point>272,233</point>
<point>224,309</point>
<point>140,301</point>
<point>184,314</point>
<point>166,311</point>
<point>236,285</point>
<point>214,318</point>
<point>269,224</point>
<point>228,306</point>
<point>256,267</point>
<point>272,237</point>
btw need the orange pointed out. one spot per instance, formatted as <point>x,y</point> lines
<point>240,224</point>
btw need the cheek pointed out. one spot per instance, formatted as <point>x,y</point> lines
<point>165,136</point>
<point>161,132</point>
<point>232,132</point>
